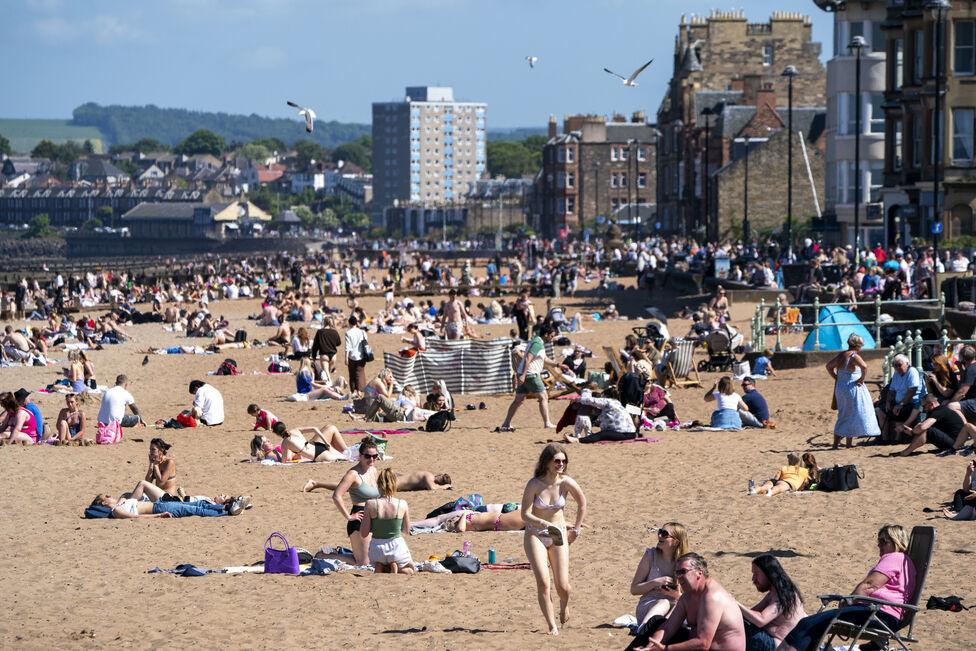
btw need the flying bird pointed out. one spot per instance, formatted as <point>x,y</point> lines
<point>631,80</point>
<point>532,61</point>
<point>306,113</point>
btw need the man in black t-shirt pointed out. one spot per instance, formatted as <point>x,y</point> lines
<point>940,427</point>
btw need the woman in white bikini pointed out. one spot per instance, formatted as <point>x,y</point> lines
<point>546,536</point>
<point>310,443</point>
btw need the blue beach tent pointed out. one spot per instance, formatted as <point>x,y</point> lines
<point>837,323</point>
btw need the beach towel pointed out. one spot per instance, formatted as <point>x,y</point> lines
<point>377,432</point>
<point>642,439</point>
<point>567,396</point>
<point>506,566</point>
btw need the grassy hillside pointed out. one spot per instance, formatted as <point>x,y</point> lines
<point>25,134</point>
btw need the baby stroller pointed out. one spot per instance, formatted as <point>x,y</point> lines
<point>654,332</point>
<point>719,346</point>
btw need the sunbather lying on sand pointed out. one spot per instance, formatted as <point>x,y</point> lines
<point>461,521</point>
<point>164,505</point>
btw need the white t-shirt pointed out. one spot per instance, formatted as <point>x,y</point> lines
<point>210,404</point>
<point>128,505</point>
<point>353,340</point>
<point>723,401</point>
<point>113,405</point>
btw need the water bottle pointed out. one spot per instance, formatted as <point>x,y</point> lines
<point>491,555</point>
<point>466,548</point>
<point>752,487</point>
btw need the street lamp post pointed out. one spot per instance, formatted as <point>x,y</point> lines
<point>938,8</point>
<point>679,144</point>
<point>745,197</point>
<point>789,72</point>
<point>707,113</point>
<point>857,45</point>
<point>630,202</point>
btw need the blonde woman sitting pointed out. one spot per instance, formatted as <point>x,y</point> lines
<point>387,518</point>
<point>654,580</point>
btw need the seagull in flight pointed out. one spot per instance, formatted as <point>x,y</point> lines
<point>631,80</point>
<point>532,61</point>
<point>306,113</point>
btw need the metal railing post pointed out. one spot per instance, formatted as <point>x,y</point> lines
<point>877,320</point>
<point>886,367</point>
<point>816,323</point>
<point>945,342</point>
<point>918,350</point>
<point>942,309</point>
<point>762,324</point>
<point>779,306</point>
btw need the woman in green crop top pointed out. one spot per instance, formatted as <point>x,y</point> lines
<point>360,482</point>
<point>388,520</point>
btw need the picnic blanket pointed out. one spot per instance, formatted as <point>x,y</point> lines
<point>473,366</point>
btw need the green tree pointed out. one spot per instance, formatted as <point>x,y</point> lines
<point>509,159</point>
<point>40,226</point>
<point>105,215</point>
<point>92,224</point>
<point>355,220</point>
<point>143,146</point>
<point>328,220</point>
<point>307,151</point>
<point>45,149</point>
<point>201,141</point>
<point>254,152</point>
<point>5,148</point>
<point>273,144</point>
<point>359,152</point>
<point>305,214</point>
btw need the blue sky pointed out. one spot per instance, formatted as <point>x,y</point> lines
<point>338,56</point>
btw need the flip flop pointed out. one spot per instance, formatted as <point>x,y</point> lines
<point>503,429</point>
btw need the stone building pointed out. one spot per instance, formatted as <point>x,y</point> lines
<point>909,106</point>
<point>864,18</point>
<point>597,168</point>
<point>719,60</point>
<point>761,129</point>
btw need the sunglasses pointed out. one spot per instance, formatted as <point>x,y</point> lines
<point>664,533</point>
<point>682,571</point>
<point>560,462</point>
<point>371,456</point>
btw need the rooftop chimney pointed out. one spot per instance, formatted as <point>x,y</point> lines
<point>553,128</point>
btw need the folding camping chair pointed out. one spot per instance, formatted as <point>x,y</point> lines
<point>679,364</point>
<point>919,552</point>
<point>618,365</point>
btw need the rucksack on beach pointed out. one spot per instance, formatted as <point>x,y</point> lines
<point>440,421</point>
<point>228,367</point>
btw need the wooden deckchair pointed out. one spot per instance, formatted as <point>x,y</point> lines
<point>679,365</point>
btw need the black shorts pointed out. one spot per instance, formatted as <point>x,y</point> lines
<point>939,439</point>
<point>353,526</point>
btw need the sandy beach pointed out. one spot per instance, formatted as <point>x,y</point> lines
<point>75,583</point>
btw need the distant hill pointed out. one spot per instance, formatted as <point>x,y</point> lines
<point>25,134</point>
<point>113,125</point>
<point>127,124</point>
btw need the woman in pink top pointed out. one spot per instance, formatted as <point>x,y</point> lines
<point>891,579</point>
<point>18,424</point>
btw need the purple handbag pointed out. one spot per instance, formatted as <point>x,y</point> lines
<point>280,561</point>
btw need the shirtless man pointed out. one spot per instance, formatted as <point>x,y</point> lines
<point>454,316</point>
<point>415,481</point>
<point>713,616</point>
<point>15,345</point>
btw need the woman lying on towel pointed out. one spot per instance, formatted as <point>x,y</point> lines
<point>461,521</point>
<point>163,505</point>
<point>310,443</point>
<point>414,481</point>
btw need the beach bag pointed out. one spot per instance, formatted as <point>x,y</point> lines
<point>106,434</point>
<point>96,511</point>
<point>740,369</point>
<point>952,603</point>
<point>440,422</point>
<point>228,367</point>
<point>366,351</point>
<point>240,336</point>
<point>839,478</point>
<point>280,561</point>
<point>460,564</point>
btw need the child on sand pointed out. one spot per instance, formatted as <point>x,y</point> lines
<point>791,477</point>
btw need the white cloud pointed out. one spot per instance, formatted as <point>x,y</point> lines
<point>263,58</point>
<point>45,6</point>
<point>103,30</point>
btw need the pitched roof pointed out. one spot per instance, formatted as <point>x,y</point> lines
<point>170,210</point>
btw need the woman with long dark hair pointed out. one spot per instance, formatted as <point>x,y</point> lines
<point>771,620</point>
<point>546,538</point>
